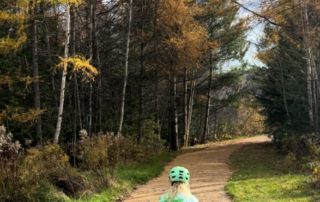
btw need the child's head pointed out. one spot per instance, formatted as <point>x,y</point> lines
<point>179,178</point>
<point>179,174</point>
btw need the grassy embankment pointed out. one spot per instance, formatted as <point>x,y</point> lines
<point>261,176</point>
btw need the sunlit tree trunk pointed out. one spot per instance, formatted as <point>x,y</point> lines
<point>64,74</point>
<point>308,50</point>
<point>125,69</point>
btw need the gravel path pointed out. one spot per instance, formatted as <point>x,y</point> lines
<point>209,173</point>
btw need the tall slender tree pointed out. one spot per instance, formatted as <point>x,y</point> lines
<point>125,68</point>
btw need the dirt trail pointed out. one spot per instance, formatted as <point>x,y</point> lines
<point>209,173</point>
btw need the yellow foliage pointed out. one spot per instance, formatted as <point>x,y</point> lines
<point>29,80</point>
<point>62,2</point>
<point>265,56</point>
<point>26,3</point>
<point>20,16</point>
<point>273,38</point>
<point>20,115</point>
<point>50,165</point>
<point>80,64</point>
<point>12,17</point>
<point>250,121</point>
<point>316,173</point>
<point>6,80</point>
<point>186,38</point>
<point>8,44</point>
<point>51,157</point>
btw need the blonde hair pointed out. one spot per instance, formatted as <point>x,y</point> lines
<point>178,188</point>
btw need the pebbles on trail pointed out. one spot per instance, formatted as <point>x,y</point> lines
<point>209,173</point>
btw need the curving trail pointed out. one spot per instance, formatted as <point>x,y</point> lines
<point>209,173</point>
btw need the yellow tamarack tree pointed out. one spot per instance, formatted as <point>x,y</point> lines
<point>183,44</point>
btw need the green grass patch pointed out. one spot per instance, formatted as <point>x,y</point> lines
<point>261,176</point>
<point>130,176</point>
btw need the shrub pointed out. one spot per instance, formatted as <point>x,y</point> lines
<point>97,152</point>
<point>48,165</point>
<point>291,160</point>
<point>131,151</point>
<point>37,175</point>
<point>10,157</point>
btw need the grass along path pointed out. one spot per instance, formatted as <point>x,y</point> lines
<point>261,176</point>
<point>129,177</point>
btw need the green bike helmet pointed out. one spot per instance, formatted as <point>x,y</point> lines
<point>179,174</point>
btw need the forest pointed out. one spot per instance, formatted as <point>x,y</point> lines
<point>88,87</point>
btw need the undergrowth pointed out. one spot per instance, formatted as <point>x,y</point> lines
<point>261,175</point>
<point>102,163</point>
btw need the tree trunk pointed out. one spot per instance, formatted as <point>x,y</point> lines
<point>215,123</point>
<point>190,107</point>
<point>304,12</point>
<point>64,74</point>
<point>315,97</point>
<point>206,118</point>
<point>157,115</point>
<point>174,117</point>
<point>283,91</point>
<point>90,56</point>
<point>73,52</point>
<point>36,87</point>
<point>141,118</point>
<point>185,111</point>
<point>140,130</point>
<point>96,57</point>
<point>49,63</point>
<point>125,70</point>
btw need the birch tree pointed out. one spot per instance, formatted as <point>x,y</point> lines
<point>79,64</point>
<point>64,75</point>
<point>125,77</point>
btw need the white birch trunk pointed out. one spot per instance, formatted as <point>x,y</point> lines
<point>125,70</point>
<point>64,74</point>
